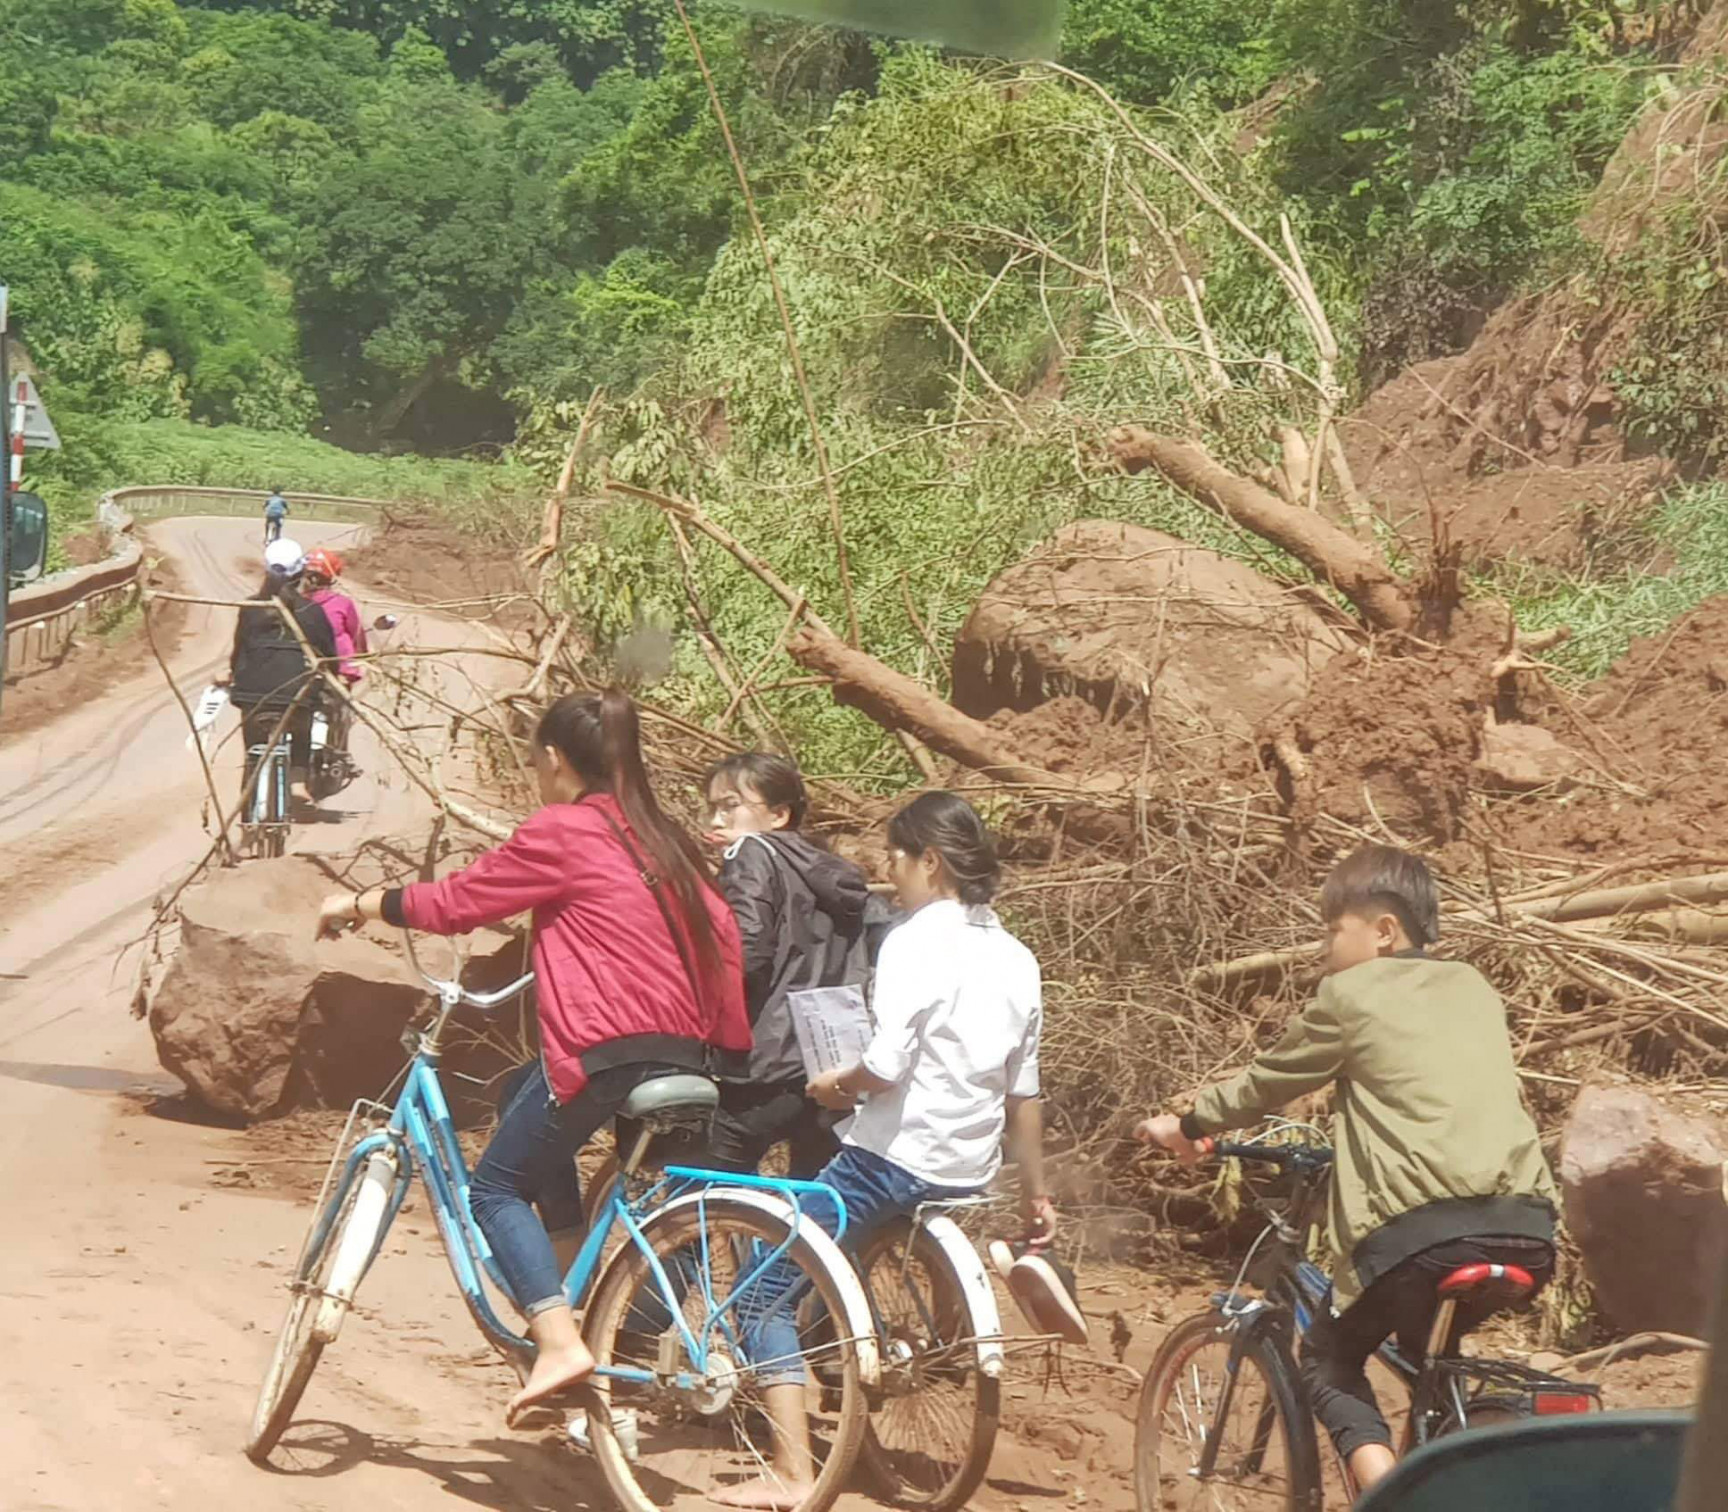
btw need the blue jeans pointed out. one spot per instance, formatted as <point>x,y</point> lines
<point>874,1190</point>
<point>528,1160</point>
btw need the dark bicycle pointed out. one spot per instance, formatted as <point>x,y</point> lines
<point>1224,1421</point>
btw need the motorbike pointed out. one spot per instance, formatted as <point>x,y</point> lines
<point>329,770</point>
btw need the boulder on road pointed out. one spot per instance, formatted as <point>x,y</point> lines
<point>1644,1199</point>
<point>254,1016</point>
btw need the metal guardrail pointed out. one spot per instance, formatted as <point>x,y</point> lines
<point>159,501</point>
<point>44,619</point>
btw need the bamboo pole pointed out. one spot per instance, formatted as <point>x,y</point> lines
<point>1604,904</point>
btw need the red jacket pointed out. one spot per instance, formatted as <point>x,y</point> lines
<point>605,965</point>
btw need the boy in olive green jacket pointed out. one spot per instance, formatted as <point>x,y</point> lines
<point>1436,1163</point>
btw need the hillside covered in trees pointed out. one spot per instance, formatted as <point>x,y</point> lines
<point>405,225</point>
<point>440,228</point>
<point>1272,425</point>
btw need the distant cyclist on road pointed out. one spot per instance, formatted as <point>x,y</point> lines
<point>269,668</point>
<point>275,513</point>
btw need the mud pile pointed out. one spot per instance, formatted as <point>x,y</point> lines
<point>1517,446</point>
<point>422,560</point>
<point>1388,743</point>
<point>1420,743</point>
<point>1656,731</point>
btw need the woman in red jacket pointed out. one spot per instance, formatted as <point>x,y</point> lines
<point>637,968</point>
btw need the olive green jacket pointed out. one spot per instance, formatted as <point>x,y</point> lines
<point>1428,1109</point>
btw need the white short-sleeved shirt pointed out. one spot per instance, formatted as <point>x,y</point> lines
<point>958,1009</point>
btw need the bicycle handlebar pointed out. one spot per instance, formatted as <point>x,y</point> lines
<point>483,999</point>
<point>453,994</point>
<point>1285,1157</point>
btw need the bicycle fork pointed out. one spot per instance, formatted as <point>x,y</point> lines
<point>1246,1324</point>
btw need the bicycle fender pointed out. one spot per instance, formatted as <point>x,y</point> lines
<point>968,1266</point>
<point>859,1323</point>
<point>358,1243</point>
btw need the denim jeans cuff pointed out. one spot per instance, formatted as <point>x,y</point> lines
<point>545,1304</point>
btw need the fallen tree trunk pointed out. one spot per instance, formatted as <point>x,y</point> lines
<point>1604,905</point>
<point>1638,898</point>
<point>898,702</point>
<point>1330,553</point>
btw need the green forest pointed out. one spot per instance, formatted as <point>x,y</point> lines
<point>410,223</point>
<point>432,230</point>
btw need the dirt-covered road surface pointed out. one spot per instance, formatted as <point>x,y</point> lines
<point>138,1296</point>
<point>137,1300</point>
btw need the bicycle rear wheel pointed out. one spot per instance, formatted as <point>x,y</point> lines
<point>276,811</point>
<point>1267,1458</point>
<point>929,1441</point>
<point>323,1289</point>
<point>696,1437</point>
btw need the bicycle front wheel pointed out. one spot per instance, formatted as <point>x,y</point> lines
<point>696,1427</point>
<point>323,1288</point>
<point>929,1440</point>
<point>1266,1460</point>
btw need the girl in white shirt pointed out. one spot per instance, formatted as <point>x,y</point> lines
<point>951,1071</point>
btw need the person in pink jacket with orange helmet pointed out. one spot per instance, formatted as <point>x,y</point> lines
<point>322,569</point>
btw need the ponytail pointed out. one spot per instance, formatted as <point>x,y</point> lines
<point>601,738</point>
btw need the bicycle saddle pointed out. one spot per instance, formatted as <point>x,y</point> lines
<point>675,1099</point>
<point>1505,1283</point>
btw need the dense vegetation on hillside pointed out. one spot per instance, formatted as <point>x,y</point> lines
<point>412,221</point>
<point>439,226</point>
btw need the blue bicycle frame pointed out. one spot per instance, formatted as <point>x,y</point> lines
<point>421,1131</point>
<point>1307,1293</point>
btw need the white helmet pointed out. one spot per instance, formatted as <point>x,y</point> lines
<point>284,558</point>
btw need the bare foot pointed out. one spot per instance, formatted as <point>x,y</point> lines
<point>554,1372</point>
<point>764,1495</point>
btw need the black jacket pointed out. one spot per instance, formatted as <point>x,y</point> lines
<point>807,920</point>
<point>269,665</point>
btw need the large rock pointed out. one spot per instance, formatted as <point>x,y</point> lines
<point>1124,616</point>
<point>1524,758</point>
<point>1644,1199</point>
<point>254,1016</point>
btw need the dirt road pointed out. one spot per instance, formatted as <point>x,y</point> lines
<point>138,1299</point>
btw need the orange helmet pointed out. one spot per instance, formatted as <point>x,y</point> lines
<point>324,564</point>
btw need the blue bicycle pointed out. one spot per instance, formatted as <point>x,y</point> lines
<point>678,1269</point>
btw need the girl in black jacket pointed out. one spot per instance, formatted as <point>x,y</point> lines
<point>808,920</point>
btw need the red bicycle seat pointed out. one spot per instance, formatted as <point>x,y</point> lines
<point>1509,1281</point>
